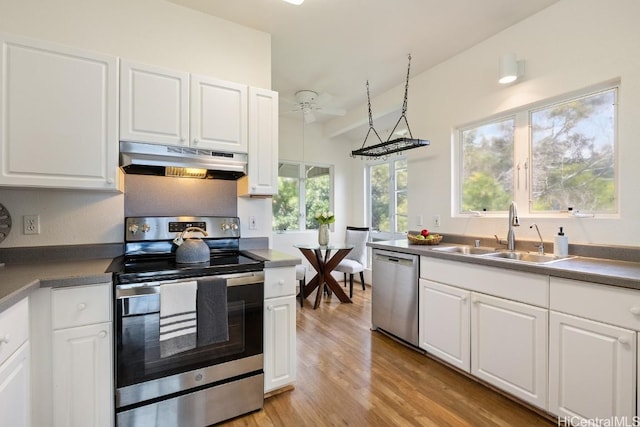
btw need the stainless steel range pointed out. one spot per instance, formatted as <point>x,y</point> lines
<point>189,336</point>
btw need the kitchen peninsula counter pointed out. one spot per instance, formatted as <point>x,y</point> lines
<point>600,270</point>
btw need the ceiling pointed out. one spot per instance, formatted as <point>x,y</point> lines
<point>334,46</point>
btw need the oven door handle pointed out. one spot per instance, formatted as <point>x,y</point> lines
<point>150,288</point>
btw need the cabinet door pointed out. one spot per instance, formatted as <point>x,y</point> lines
<point>592,368</point>
<point>58,112</point>
<point>14,389</point>
<point>154,104</point>
<point>279,342</point>
<point>218,115</point>
<point>509,347</point>
<point>82,379</point>
<point>444,323</point>
<point>262,176</point>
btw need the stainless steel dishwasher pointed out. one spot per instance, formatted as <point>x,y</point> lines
<point>394,297</point>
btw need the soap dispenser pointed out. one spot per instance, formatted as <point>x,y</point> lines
<point>561,244</point>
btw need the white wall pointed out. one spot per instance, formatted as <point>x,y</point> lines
<point>150,31</point>
<point>571,45</point>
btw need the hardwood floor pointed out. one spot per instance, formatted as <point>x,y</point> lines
<point>348,375</point>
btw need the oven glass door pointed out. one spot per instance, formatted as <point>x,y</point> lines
<point>140,355</point>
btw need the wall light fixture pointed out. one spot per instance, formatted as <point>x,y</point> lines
<point>510,68</point>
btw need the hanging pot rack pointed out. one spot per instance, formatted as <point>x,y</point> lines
<point>390,146</point>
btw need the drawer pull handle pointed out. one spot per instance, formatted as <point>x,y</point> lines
<point>463,299</point>
<point>270,308</point>
<point>635,310</point>
<point>623,340</point>
<point>281,282</point>
<point>102,334</point>
<point>5,339</point>
<point>82,306</point>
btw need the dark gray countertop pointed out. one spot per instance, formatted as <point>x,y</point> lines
<point>17,279</point>
<point>599,270</point>
<point>273,259</point>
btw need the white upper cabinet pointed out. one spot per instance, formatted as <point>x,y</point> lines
<point>58,116</point>
<point>262,177</point>
<point>218,115</point>
<point>154,104</point>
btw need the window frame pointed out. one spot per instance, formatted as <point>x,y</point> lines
<point>302,194</point>
<point>391,188</point>
<point>523,152</point>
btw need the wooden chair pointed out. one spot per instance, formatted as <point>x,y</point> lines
<point>301,272</point>
<point>356,260</point>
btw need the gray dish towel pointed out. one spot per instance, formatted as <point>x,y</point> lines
<point>213,321</point>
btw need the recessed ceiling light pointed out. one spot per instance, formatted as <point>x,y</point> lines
<point>296,2</point>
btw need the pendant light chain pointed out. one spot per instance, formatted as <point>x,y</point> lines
<point>398,145</point>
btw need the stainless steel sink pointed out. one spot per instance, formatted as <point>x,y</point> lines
<point>465,250</point>
<point>527,257</point>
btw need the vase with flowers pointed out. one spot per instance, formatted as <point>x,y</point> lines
<point>324,219</point>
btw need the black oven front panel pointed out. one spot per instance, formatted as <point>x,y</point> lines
<point>139,357</point>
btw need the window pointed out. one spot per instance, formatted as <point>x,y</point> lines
<point>548,159</point>
<point>573,155</point>
<point>487,166</point>
<point>387,189</point>
<point>303,191</point>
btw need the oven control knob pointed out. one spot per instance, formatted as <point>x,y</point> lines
<point>234,226</point>
<point>133,228</point>
<point>224,226</point>
<point>145,228</point>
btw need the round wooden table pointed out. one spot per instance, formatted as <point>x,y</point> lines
<point>323,262</point>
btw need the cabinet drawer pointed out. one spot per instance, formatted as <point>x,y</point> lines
<point>279,281</point>
<point>608,304</point>
<point>81,305</point>
<point>14,328</point>
<point>515,285</point>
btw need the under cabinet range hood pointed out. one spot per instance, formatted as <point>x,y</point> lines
<point>176,161</point>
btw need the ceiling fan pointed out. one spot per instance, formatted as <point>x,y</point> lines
<point>309,102</point>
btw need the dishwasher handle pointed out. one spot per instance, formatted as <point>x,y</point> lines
<point>394,257</point>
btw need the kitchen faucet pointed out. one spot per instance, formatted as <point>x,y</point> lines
<point>511,235</point>
<point>513,222</point>
<point>541,245</point>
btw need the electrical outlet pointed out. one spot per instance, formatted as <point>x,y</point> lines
<point>31,224</point>
<point>252,223</point>
<point>436,220</point>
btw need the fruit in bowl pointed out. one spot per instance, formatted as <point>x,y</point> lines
<point>424,233</point>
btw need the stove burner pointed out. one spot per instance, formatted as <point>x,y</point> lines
<point>150,255</point>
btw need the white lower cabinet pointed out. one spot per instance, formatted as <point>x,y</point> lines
<point>14,389</point>
<point>509,347</point>
<point>15,369</point>
<point>72,355</point>
<point>280,342</point>
<point>82,370</point>
<point>591,368</point>
<point>593,350</point>
<point>279,327</point>
<point>445,323</point>
<point>491,322</point>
